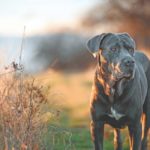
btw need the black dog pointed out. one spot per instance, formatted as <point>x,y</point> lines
<point>121,90</point>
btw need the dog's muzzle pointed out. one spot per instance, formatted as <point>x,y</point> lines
<point>125,69</point>
<point>128,62</point>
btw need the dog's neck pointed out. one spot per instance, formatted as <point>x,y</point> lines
<point>111,86</point>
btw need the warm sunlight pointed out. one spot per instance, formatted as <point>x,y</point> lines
<point>54,95</point>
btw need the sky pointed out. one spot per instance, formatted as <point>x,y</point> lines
<point>38,15</point>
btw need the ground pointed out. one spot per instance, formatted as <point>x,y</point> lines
<point>71,92</point>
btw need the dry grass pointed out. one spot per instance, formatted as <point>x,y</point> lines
<point>72,91</point>
<point>24,111</point>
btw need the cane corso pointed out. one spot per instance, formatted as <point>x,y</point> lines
<point>121,90</point>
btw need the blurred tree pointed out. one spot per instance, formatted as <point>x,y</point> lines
<point>131,16</point>
<point>63,51</point>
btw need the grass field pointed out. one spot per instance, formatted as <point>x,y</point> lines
<point>71,93</point>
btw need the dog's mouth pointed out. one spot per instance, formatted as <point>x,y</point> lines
<point>120,80</point>
<point>122,75</point>
<point>119,73</point>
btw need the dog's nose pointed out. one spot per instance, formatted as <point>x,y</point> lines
<point>128,61</point>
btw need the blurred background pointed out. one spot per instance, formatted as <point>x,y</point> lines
<point>56,31</point>
<point>54,49</point>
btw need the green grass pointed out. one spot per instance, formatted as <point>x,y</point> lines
<point>75,139</point>
<point>65,135</point>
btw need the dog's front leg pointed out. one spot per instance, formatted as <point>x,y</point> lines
<point>117,140</point>
<point>135,132</point>
<point>97,132</point>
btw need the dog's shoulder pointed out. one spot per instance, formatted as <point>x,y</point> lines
<point>97,93</point>
<point>142,59</point>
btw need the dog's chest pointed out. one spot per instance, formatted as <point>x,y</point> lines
<point>115,114</point>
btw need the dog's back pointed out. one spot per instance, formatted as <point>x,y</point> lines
<point>145,62</point>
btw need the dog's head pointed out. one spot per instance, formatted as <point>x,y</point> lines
<point>115,53</point>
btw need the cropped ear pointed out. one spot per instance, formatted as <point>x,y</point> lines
<point>94,43</point>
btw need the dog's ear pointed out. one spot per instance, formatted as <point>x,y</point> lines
<point>128,38</point>
<point>94,43</point>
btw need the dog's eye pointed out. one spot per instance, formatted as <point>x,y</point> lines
<point>113,49</point>
<point>131,50</point>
